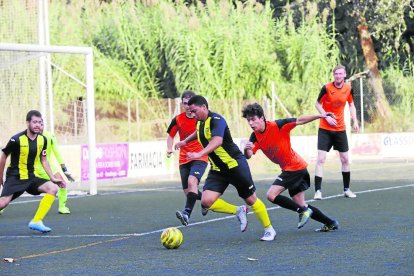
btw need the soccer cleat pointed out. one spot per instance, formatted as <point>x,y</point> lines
<point>39,226</point>
<point>269,234</point>
<point>242,217</point>
<point>328,228</point>
<point>64,210</point>
<point>183,217</point>
<point>204,211</point>
<point>304,217</point>
<point>349,194</point>
<point>318,195</point>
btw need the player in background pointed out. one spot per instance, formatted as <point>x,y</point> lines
<point>191,170</point>
<point>27,148</point>
<point>228,166</point>
<point>56,162</point>
<point>273,138</point>
<point>332,129</point>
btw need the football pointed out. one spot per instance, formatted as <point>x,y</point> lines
<point>171,238</point>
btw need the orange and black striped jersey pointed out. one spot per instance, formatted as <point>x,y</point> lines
<point>185,127</point>
<point>24,154</point>
<point>274,141</point>
<point>333,99</point>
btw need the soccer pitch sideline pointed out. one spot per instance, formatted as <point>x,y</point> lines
<point>117,233</point>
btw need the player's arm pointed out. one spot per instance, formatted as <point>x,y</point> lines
<point>248,150</point>
<point>3,158</point>
<point>249,147</point>
<point>214,143</point>
<point>10,147</point>
<point>187,140</point>
<point>170,142</point>
<point>318,105</point>
<point>172,131</point>
<point>353,112</point>
<point>55,149</point>
<point>304,119</point>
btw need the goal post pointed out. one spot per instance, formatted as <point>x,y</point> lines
<point>87,52</point>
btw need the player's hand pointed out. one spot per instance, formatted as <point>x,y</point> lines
<point>193,155</point>
<point>356,126</point>
<point>331,121</point>
<point>60,182</point>
<point>67,174</point>
<point>180,144</point>
<point>169,153</point>
<point>249,146</point>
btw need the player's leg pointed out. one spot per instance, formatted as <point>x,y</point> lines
<point>63,197</point>
<point>50,189</point>
<point>183,216</point>
<point>242,179</point>
<point>197,169</point>
<point>341,145</point>
<point>281,183</point>
<point>298,182</point>
<point>12,189</point>
<point>325,144</point>
<point>4,201</point>
<point>346,174</point>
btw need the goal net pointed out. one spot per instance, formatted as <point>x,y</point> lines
<point>57,81</point>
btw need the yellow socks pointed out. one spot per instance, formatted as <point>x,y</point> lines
<point>44,207</point>
<point>221,206</point>
<point>260,211</point>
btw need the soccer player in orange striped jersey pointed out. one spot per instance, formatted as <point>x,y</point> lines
<point>273,138</point>
<point>332,130</point>
<point>191,170</point>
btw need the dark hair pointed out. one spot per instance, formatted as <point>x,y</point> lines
<point>187,94</point>
<point>198,101</point>
<point>253,110</point>
<point>32,113</point>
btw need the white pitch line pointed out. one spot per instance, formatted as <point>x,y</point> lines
<point>191,224</point>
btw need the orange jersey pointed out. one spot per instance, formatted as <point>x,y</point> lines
<point>333,99</point>
<point>185,127</point>
<point>275,144</point>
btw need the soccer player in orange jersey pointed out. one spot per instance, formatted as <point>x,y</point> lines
<point>273,138</point>
<point>332,130</point>
<point>191,170</point>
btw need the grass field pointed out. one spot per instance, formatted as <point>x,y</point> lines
<point>117,232</point>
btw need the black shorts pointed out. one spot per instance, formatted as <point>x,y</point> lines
<point>16,187</point>
<point>328,138</point>
<point>240,177</point>
<point>195,168</point>
<point>294,181</point>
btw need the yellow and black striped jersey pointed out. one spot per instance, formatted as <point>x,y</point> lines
<point>24,153</point>
<point>225,156</point>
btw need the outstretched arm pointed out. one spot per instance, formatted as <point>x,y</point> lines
<point>304,119</point>
<point>330,119</point>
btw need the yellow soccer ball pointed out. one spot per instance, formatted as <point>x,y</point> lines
<point>171,238</point>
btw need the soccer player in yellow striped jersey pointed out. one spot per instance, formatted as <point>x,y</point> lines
<point>56,164</point>
<point>26,148</point>
<point>228,166</point>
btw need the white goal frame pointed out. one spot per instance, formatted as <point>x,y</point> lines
<point>90,94</point>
